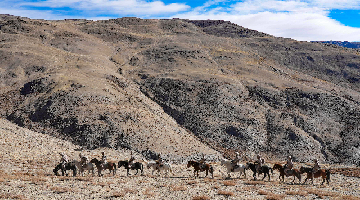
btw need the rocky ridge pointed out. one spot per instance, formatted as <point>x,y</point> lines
<point>180,86</point>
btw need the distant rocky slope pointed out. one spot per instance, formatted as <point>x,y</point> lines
<point>180,87</point>
<point>354,45</point>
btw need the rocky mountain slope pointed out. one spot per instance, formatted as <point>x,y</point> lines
<point>181,86</point>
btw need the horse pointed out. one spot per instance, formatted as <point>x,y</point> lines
<point>324,173</point>
<point>238,168</point>
<point>291,172</point>
<point>89,166</point>
<point>135,166</point>
<point>264,169</point>
<point>109,165</point>
<point>68,166</point>
<point>164,167</point>
<point>201,167</point>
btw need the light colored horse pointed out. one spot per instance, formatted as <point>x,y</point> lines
<point>165,167</point>
<point>89,166</point>
<point>238,168</point>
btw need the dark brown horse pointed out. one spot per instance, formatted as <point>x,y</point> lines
<point>291,172</point>
<point>323,173</point>
<point>201,167</point>
<point>109,165</point>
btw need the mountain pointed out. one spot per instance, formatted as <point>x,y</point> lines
<point>354,45</point>
<point>179,87</point>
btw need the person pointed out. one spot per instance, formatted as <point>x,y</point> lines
<point>202,162</point>
<point>83,160</point>
<point>260,162</point>
<point>316,168</point>
<point>159,162</point>
<point>103,160</point>
<point>64,159</point>
<point>235,161</point>
<point>288,166</point>
<point>131,161</point>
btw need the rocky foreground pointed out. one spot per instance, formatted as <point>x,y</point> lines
<point>27,160</point>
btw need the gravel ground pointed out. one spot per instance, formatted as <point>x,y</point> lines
<point>27,160</point>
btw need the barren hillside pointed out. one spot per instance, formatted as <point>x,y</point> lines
<point>180,87</point>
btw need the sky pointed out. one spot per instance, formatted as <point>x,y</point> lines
<point>303,20</point>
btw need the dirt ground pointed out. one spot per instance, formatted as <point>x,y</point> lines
<point>28,158</point>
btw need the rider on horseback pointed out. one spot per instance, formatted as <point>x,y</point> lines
<point>260,161</point>
<point>159,163</point>
<point>64,159</point>
<point>288,166</point>
<point>103,160</point>
<point>315,168</point>
<point>235,161</point>
<point>83,160</point>
<point>131,161</point>
<point>202,162</point>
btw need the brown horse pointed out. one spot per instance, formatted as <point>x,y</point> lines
<point>201,167</point>
<point>292,172</point>
<point>109,165</point>
<point>323,173</point>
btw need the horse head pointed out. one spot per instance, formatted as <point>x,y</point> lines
<point>190,163</point>
<point>277,166</point>
<point>94,160</point>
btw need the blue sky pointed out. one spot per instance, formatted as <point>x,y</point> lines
<point>305,20</point>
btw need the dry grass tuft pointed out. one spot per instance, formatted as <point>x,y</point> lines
<point>131,191</point>
<point>254,183</point>
<point>60,190</point>
<point>225,193</point>
<point>87,179</point>
<point>209,180</point>
<point>294,193</point>
<point>117,194</point>
<point>12,196</point>
<point>349,197</point>
<point>321,193</point>
<point>203,197</point>
<point>352,172</point>
<point>178,188</point>
<point>271,196</point>
<point>149,192</point>
<point>192,182</point>
<point>229,183</point>
<point>102,184</point>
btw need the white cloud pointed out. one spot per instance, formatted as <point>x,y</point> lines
<point>300,20</point>
<point>123,7</point>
